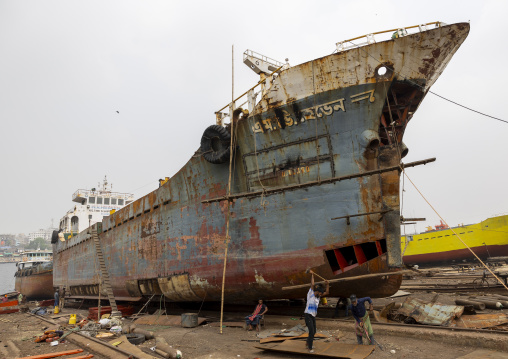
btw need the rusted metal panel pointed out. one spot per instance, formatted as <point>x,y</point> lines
<point>430,313</point>
<point>481,320</point>
<point>106,223</point>
<point>325,115</point>
<point>419,56</point>
<point>132,288</point>
<point>321,349</point>
<point>177,288</point>
<point>163,194</point>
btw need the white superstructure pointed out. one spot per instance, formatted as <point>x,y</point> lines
<point>91,206</point>
<point>37,256</point>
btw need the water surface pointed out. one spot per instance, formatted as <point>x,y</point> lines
<point>7,271</point>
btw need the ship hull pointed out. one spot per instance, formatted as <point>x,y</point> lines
<point>486,239</point>
<point>35,286</point>
<point>312,150</point>
<point>458,255</point>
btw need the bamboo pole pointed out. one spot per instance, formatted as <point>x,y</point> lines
<point>229,188</point>
<point>358,277</point>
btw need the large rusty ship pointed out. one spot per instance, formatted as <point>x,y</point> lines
<point>306,178</point>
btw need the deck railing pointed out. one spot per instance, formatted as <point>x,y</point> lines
<point>370,38</point>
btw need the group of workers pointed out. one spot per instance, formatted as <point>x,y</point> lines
<point>5,299</point>
<point>59,300</point>
<point>363,328</point>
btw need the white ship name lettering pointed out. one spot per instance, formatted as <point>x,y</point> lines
<point>362,96</point>
<point>326,109</point>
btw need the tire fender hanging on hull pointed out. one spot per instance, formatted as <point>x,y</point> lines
<point>215,144</point>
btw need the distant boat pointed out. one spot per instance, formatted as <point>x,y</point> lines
<point>487,239</point>
<point>34,277</point>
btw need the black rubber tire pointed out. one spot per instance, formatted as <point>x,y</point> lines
<point>135,339</point>
<point>215,144</point>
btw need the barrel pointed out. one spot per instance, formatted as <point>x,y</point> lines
<point>189,320</point>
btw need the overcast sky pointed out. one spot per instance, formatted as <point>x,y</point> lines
<point>66,67</point>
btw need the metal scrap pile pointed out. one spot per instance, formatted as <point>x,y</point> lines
<point>417,311</point>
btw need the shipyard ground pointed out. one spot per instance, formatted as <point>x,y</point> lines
<point>407,341</point>
<point>205,341</point>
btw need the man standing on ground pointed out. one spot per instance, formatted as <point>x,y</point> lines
<point>315,293</point>
<point>62,299</point>
<point>362,320</point>
<point>57,298</point>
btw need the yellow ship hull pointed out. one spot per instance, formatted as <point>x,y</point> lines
<point>488,238</point>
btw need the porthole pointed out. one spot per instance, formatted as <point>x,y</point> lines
<point>384,71</point>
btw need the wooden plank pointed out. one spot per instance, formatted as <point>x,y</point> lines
<point>321,349</point>
<point>54,355</point>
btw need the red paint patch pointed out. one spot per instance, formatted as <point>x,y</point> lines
<point>254,243</point>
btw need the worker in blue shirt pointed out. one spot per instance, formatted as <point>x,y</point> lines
<point>362,320</point>
<point>57,298</point>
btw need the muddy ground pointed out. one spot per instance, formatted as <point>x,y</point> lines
<point>205,341</point>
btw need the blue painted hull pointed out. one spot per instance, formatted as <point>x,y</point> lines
<point>289,179</point>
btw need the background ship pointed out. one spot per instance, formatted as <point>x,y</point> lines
<point>314,183</point>
<point>34,277</point>
<point>92,205</point>
<point>487,239</point>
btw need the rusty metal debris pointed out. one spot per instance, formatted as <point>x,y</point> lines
<point>481,321</point>
<point>321,349</point>
<point>415,310</point>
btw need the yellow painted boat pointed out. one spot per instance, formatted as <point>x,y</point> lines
<point>488,238</point>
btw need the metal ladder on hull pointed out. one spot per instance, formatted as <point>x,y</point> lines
<point>105,275</point>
